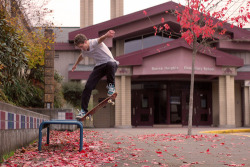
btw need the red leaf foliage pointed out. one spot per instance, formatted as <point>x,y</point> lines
<point>199,20</point>
<point>103,149</point>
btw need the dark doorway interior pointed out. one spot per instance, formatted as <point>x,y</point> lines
<point>165,103</point>
<point>149,103</point>
<point>175,107</point>
<point>160,101</point>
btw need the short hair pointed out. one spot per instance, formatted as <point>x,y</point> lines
<point>80,38</point>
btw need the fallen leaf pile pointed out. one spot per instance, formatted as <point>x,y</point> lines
<point>118,148</point>
<point>63,150</point>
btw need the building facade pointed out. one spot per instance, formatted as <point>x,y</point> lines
<point>153,79</point>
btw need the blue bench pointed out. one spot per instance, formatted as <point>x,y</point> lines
<point>48,123</point>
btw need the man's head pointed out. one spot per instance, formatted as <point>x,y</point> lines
<point>81,41</point>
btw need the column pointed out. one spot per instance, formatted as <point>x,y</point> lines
<point>222,101</point>
<point>123,100</point>
<point>118,100</point>
<point>86,13</point>
<point>49,70</point>
<point>247,106</point>
<point>230,102</point>
<point>116,8</point>
<point>119,49</point>
<point>226,101</point>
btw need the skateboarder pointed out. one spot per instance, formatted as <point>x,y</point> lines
<point>106,65</point>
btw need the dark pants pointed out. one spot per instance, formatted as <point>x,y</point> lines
<point>108,69</point>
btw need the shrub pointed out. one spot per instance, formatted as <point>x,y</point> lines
<point>72,92</point>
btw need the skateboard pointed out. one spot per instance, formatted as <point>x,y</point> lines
<point>99,106</point>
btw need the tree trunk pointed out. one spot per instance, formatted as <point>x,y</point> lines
<point>191,97</point>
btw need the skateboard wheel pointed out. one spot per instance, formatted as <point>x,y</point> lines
<point>91,118</point>
<point>113,103</point>
<point>87,117</point>
<point>109,101</point>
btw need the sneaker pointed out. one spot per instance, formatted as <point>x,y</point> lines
<point>111,89</point>
<point>80,114</point>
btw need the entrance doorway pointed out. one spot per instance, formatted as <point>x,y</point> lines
<point>202,104</point>
<point>149,104</point>
<point>142,108</point>
<point>175,107</point>
<point>167,103</point>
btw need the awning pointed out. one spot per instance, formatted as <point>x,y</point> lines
<point>243,73</point>
<point>82,72</point>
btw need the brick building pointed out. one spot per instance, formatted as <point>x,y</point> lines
<point>153,78</point>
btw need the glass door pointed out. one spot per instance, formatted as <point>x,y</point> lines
<point>142,108</point>
<point>175,107</point>
<point>202,108</point>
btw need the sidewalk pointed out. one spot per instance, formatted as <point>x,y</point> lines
<point>171,147</point>
<point>140,147</point>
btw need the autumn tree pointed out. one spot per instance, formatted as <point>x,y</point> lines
<point>23,44</point>
<point>203,23</point>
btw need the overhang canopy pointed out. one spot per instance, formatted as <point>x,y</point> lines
<point>135,21</point>
<point>136,58</point>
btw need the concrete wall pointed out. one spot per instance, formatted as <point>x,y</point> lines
<point>105,117</point>
<point>62,33</point>
<point>64,59</point>
<point>18,127</point>
<point>61,114</point>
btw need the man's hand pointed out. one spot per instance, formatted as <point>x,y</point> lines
<point>110,34</point>
<point>73,68</point>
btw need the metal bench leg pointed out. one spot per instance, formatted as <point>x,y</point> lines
<point>48,135</point>
<point>81,138</point>
<point>40,136</point>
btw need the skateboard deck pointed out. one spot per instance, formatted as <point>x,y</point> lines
<point>99,106</point>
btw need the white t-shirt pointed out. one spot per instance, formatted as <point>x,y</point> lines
<point>99,52</point>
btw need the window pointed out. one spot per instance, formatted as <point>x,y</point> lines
<point>203,101</point>
<point>151,40</point>
<point>144,102</point>
<point>144,41</point>
<point>132,45</point>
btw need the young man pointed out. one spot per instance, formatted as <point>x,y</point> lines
<point>106,65</point>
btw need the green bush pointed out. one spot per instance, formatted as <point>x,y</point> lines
<point>23,93</point>
<point>12,53</point>
<point>3,97</point>
<point>72,92</point>
<point>58,99</point>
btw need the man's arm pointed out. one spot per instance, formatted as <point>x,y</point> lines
<point>77,62</point>
<point>109,34</point>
